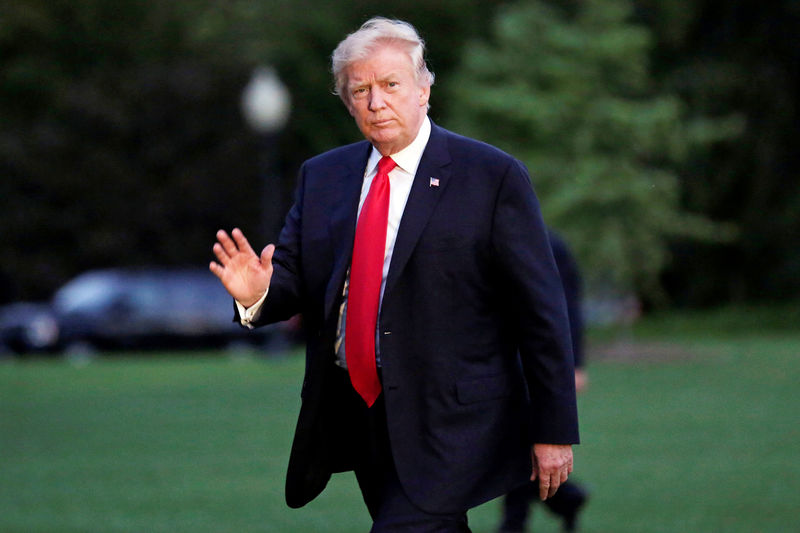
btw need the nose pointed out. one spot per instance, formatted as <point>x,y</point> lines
<point>376,100</point>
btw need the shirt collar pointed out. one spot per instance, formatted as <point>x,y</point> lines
<point>409,157</point>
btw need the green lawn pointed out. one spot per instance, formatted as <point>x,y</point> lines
<point>692,430</point>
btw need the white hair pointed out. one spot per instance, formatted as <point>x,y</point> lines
<point>375,32</point>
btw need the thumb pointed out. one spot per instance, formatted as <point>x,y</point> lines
<point>266,255</point>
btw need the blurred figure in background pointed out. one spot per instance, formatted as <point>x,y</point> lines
<point>567,502</point>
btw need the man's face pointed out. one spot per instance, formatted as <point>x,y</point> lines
<point>385,99</point>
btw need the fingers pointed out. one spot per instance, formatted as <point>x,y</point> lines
<point>549,484</point>
<point>241,241</point>
<point>226,247</point>
<point>222,255</point>
<point>545,479</point>
<point>225,243</point>
<point>545,489</point>
<point>552,465</point>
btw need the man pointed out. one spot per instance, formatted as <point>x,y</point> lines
<point>438,364</point>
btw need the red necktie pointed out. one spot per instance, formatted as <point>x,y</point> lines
<point>366,274</point>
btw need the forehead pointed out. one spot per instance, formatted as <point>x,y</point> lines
<point>384,61</point>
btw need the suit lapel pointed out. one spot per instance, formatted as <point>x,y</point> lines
<point>350,174</point>
<point>422,199</point>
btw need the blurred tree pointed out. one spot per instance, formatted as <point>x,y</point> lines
<point>120,142</point>
<point>121,137</point>
<point>568,89</point>
<point>739,55</point>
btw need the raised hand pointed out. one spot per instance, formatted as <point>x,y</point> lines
<point>244,274</point>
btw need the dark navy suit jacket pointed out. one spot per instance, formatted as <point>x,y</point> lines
<point>473,330</point>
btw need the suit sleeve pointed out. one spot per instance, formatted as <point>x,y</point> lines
<point>572,283</point>
<point>537,310</point>
<point>285,293</point>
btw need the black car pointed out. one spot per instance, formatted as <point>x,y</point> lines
<point>151,309</point>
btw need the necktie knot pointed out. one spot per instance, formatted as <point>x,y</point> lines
<point>385,165</point>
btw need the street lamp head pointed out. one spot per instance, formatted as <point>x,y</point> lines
<point>266,102</point>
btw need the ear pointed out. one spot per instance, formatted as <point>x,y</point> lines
<point>424,95</point>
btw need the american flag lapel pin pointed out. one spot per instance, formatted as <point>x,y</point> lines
<point>434,182</point>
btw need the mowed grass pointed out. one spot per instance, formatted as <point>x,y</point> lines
<point>685,429</point>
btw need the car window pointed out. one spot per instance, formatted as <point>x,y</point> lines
<point>85,292</point>
<point>146,295</point>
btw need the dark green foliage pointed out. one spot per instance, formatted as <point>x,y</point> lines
<point>572,95</point>
<point>738,56</point>
<point>122,142</point>
<point>121,136</point>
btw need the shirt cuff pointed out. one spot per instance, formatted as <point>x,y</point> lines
<point>250,314</point>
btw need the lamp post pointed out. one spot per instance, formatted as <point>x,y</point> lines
<point>266,105</point>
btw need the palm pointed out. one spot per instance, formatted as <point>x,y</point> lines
<point>244,274</point>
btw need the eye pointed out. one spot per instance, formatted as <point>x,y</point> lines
<point>359,92</point>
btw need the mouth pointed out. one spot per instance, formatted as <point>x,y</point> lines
<point>382,123</point>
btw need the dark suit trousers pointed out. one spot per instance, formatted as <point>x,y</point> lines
<point>388,505</point>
